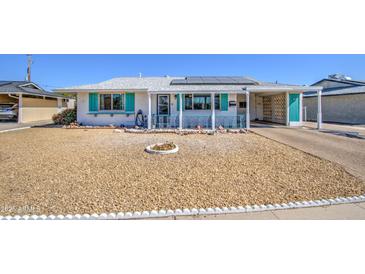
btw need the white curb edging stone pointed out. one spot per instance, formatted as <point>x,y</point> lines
<point>190,212</point>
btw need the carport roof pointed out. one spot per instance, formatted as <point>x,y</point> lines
<point>25,87</point>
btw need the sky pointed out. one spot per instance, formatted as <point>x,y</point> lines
<point>59,70</point>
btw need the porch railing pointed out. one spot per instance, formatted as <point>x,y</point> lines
<point>172,121</point>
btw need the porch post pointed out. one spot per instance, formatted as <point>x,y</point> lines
<point>149,111</point>
<point>180,111</point>
<point>20,109</point>
<point>287,108</point>
<point>319,110</point>
<point>247,110</point>
<point>212,105</point>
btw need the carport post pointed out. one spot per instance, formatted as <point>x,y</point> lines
<point>20,108</point>
<point>247,110</point>
<point>319,110</point>
<point>180,111</point>
<point>149,122</point>
<point>287,108</point>
<point>212,105</point>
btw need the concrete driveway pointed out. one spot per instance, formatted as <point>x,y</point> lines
<point>10,125</point>
<point>347,150</point>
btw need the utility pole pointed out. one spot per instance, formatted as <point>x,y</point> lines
<point>29,67</point>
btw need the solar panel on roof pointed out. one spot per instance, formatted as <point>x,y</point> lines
<point>213,80</point>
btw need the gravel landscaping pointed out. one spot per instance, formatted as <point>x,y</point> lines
<point>70,171</point>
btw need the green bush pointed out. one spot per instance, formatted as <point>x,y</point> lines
<point>65,117</point>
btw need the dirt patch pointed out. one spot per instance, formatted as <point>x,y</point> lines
<point>60,171</point>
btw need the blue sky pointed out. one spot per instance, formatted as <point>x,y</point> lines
<point>52,71</point>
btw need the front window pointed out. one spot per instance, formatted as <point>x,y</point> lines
<point>111,102</point>
<point>202,101</point>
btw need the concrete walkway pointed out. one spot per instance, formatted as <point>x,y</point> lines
<point>347,151</point>
<point>355,211</point>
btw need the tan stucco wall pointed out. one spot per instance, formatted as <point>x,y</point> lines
<point>342,109</point>
<point>4,98</point>
<point>32,114</point>
<point>38,102</point>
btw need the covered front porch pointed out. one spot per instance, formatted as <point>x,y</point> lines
<point>226,109</point>
<point>188,110</point>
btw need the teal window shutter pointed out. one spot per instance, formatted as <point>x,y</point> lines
<point>93,102</point>
<point>178,102</point>
<point>129,102</point>
<point>224,102</point>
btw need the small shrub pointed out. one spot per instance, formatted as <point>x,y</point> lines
<point>65,117</point>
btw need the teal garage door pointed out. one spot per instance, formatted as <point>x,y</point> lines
<point>294,107</point>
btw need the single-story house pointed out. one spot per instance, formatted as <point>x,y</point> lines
<point>34,103</point>
<point>343,100</point>
<point>188,102</point>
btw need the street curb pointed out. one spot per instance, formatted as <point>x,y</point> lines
<point>191,212</point>
<point>13,129</point>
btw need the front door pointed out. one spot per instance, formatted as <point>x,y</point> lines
<point>163,111</point>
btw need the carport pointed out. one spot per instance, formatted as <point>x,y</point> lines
<point>280,104</point>
<point>33,103</point>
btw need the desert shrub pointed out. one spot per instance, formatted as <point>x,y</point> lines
<point>65,117</point>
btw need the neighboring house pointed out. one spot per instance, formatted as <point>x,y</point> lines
<point>343,100</point>
<point>34,103</point>
<point>188,102</point>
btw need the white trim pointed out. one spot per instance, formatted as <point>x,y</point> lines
<point>20,109</point>
<point>287,108</point>
<point>180,111</point>
<point>191,211</point>
<point>319,109</point>
<point>31,84</point>
<point>248,110</point>
<point>301,108</point>
<point>149,122</point>
<point>212,107</point>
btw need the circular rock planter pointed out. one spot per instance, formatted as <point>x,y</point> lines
<point>162,148</point>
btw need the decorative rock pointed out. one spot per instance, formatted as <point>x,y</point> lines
<point>202,211</point>
<point>77,217</point>
<point>249,208</point>
<point>218,210</point>
<point>332,201</point>
<point>120,215</point>
<point>241,209</point>
<point>263,207</point>
<point>162,213</point>
<point>186,211</point>
<point>43,217</point>
<point>102,216</point>
<point>169,212</point>
<point>51,217</point>
<point>24,217</point>
<point>60,217</point>
<point>285,206</point>
<point>16,217</point>
<point>111,216</point>
<point>194,211</point>
<point>145,214</point>
<point>325,202</point>
<point>210,210</point>
<point>291,205</point>
<point>128,215</point>
<point>233,209</point>
<point>256,208</point>
<point>154,213</point>
<point>69,217</point>
<point>226,210</point>
<point>95,216</point>
<point>270,207</point>
<point>298,204</point>
<point>277,206</point>
<point>85,217</point>
<point>33,217</point>
<point>178,211</point>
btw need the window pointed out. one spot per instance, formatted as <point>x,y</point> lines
<point>242,105</point>
<point>111,102</point>
<point>188,101</point>
<point>203,101</point>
